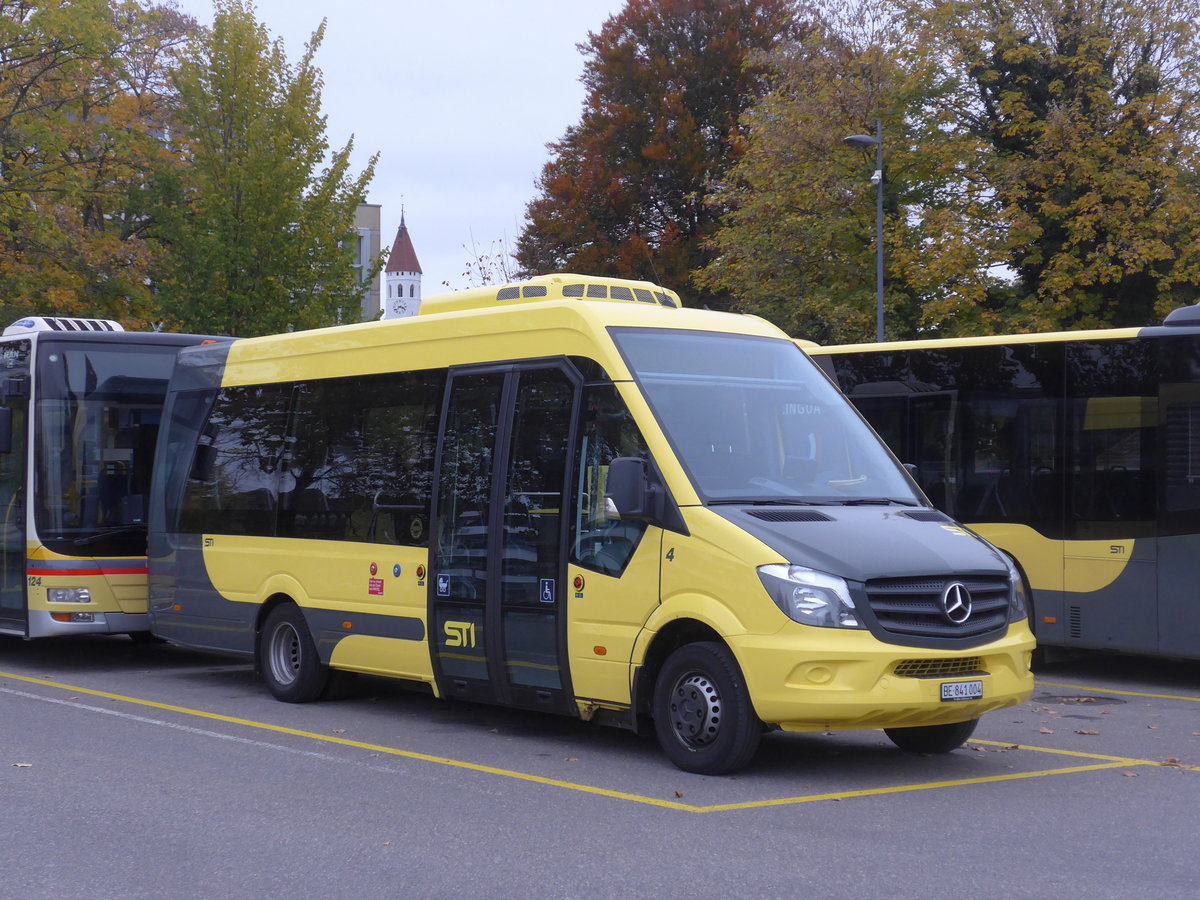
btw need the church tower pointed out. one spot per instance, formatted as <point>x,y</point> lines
<point>402,277</point>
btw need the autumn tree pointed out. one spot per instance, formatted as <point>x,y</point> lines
<point>626,191</point>
<point>81,124</point>
<point>797,242</point>
<point>260,221</point>
<point>1089,113</point>
<point>1039,171</point>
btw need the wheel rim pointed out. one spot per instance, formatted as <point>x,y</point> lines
<point>695,710</point>
<point>283,653</point>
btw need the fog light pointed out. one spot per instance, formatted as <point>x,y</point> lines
<point>73,617</point>
<point>69,595</point>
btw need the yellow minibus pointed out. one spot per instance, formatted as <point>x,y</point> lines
<point>575,495</point>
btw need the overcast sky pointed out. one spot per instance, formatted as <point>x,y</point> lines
<point>459,98</point>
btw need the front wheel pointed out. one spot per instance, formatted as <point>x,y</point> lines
<point>702,712</point>
<point>290,665</point>
<point>932,738</point>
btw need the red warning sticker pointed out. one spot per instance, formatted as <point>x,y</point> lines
<point>375,587</point>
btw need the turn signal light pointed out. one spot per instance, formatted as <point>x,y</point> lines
<point>73,617</point>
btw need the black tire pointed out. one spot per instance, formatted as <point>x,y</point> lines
<point>702,712</point>
<point>290,665</point>
<point>932,738</point>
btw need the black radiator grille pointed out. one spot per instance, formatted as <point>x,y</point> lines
<point>914,607</point>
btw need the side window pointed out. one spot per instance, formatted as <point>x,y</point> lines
<point>599,541</point>
<point>360,464</point>
<point>233,485</point>
<point>188,414</point>
<point>1112,418</point>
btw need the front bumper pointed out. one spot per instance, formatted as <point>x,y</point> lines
<point>818,679</point>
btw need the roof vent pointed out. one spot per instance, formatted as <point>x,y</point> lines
<point>51,323</point>
<point>559,286</point>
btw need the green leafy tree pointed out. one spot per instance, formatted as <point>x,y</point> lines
<point>797,242</point>
<point>1040,170</point>
<point>81,122</point>
<point>260,221</point>
<point>1089,112</point>
<point>626,190</point>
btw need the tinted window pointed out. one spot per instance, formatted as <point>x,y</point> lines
<point>600,541</point>
<point>234,483</point>
<point>1180,398</point>
<point>980,423</point>
<point>359,466</point>
<point>187,415</point>
<point>1112,414</point>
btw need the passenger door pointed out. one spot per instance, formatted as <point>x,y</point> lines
<point>12,508</point>
<point>497,586</point>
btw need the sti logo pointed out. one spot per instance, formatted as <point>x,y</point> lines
<point>460,634</point>
<point>443,585</point>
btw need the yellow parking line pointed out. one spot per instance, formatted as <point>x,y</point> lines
<point>1115,760</point>
<point>1099,690</point>
<point>902,788</point>
<point>1107,762</point>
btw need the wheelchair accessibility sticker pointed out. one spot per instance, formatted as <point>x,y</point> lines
<point>546,590</point>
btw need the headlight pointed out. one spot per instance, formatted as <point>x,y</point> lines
<point>69,595</point>
<point>1018,603</point>
<point>810,597</point>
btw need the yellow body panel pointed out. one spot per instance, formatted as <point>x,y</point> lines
<point>1049,337</point>
<point>1054,565</point>
<point>605,619</point>
<point>383,656</point>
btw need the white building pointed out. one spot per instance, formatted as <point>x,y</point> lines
<point>402,277</point>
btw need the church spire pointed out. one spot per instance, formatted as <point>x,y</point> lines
<point>402,276</point>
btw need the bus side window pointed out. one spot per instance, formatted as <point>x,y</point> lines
<point>238,496</point>
<point>360,463</point>
<point>601,540</point>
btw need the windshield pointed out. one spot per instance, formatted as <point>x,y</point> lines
<point>98,410</point>
<point>753,420</point>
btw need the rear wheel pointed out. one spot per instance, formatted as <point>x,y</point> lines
<point>293,671</point>
<point>932,738</point>
<point>702,712</point>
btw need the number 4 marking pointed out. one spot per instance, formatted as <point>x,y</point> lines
<point>671,555</point>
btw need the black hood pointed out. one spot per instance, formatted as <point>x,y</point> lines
<point>859,543</point>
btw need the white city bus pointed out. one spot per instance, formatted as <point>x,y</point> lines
<point>80,405</point>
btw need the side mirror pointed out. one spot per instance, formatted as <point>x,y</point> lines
<point>6,424</point>
<point>627,488</point>
<point>913,471</point>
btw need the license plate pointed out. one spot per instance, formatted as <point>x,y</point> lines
<point>962,690</point>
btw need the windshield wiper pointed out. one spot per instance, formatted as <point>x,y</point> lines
<point>876,501</point>
<point>111,531</point>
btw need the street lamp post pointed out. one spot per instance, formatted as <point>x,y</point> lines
<point>866,142</point>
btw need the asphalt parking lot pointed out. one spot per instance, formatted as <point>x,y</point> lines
<point>156,771</point>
